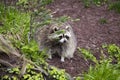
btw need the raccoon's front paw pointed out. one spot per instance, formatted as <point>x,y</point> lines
<point>50,56</point>
<point>62,59</point>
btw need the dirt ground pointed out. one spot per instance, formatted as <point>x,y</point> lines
<point>90,33</point>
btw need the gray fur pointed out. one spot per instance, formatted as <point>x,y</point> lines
<point>63,44</point>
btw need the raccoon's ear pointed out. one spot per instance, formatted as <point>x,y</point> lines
<point>68,27</point>
<point>55,29</point>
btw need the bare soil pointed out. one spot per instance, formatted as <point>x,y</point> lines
<point>89,30</point>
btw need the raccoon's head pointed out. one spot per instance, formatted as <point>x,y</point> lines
<point>61,34</point>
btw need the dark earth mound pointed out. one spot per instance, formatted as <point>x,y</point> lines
<point>97,26</point>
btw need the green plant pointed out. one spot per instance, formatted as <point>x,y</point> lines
<point>46,2</point>
<point>6,77</point>
<point>15,25</point>
<point>31,74</point>
<point>58,74</point>
<point>87,3</point>
<point>102,20</point>
<point>31,50</point>
<point>14,70</point>
<point>88,55</point>
<point>103,71</point>
<point>78,78</point>
<point>115,6</point>
<point>113,50</point>
<point>33,4</point>
<point>100,2</point>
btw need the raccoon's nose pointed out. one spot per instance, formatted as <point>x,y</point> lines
<point>64,41</point>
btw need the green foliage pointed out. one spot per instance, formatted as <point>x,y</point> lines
<point>13,20</point>
<point>104,69</point>
<point>113,50</point>
<point>88,55</point>
<point>31,74</point>
<point>103,21</point>
<point>33,4</point>
<point>31,51</point>
<point>22,2</point>
<point>99,2</point>
<point>87,3</point>
<point>112,5</point>
<point>6,77</point>
<point>78,78</point>
<point>58,74</point>
<point>46,2</point>
<point>62,19</point>
<point>30,48</point>
<point>14,70</point>
<point>15,25</point>
<point>41,17</point>
<point>115,6</point>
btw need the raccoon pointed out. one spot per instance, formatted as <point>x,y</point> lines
<point>57,38</point>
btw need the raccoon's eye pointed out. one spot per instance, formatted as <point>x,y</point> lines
<point>60,37</point>
<point>55,29</point>
<point>67,37</point>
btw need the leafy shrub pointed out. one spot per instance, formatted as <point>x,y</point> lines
<point>114,51</point>
<point>104,69</point>
<point>88,55</point>
<point>40,2</point>
<point>103,21</point>
<point>58,74</point>
<point>29,75</point>
<point>115,6</point>
<point>31,51</point>
<point>15,25</point>
<point>87,3</point>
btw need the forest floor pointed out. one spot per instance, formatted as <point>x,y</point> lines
<point>97,26</point>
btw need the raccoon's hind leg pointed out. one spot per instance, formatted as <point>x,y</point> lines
<point>62,59</point>
<point>63,52</point>
<point>63,56</point>
<point>50,54</point>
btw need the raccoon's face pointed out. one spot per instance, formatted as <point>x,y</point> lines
<point>61,34</point>
<point>63,38</point>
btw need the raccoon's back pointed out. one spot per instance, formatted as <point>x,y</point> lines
<point>41,36</point>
